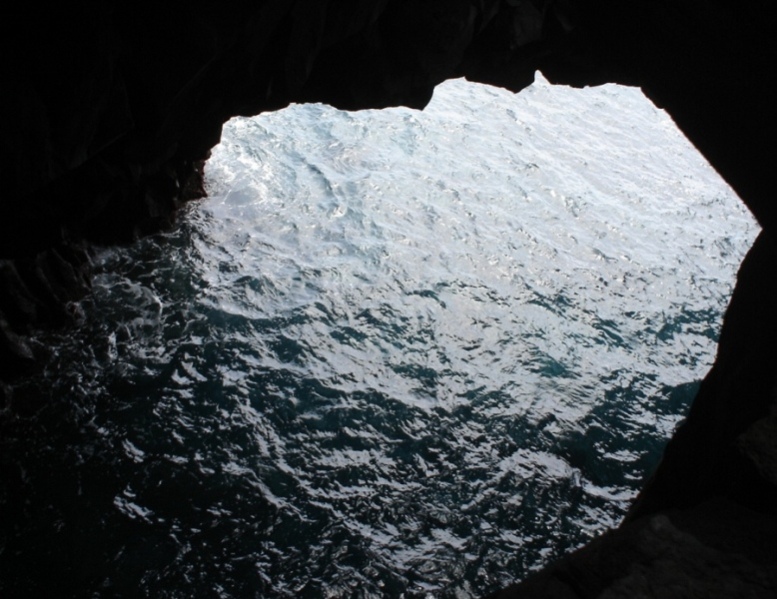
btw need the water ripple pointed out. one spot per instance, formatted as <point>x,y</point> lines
<point>402,354</point>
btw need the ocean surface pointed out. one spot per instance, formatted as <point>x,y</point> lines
<point>393,354</point>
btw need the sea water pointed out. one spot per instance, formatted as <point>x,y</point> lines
<point>393,354</point>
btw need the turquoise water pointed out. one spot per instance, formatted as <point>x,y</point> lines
<point>394,354</point>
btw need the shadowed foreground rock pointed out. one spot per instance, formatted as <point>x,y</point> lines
<point>109,111</point>
<point>717,549</point>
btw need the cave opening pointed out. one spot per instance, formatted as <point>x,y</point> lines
<point>425,363</point>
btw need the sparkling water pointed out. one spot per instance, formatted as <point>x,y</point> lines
<point>394,354</point>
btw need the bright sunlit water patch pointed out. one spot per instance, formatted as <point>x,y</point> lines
<point>394,354</point>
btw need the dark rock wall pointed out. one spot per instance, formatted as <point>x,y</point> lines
<point>110,109</point>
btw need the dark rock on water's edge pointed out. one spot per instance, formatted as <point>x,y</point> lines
<point>705,524</point>
<point>725,447</point>
<point>109,111</point>
<point>717,549</point>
